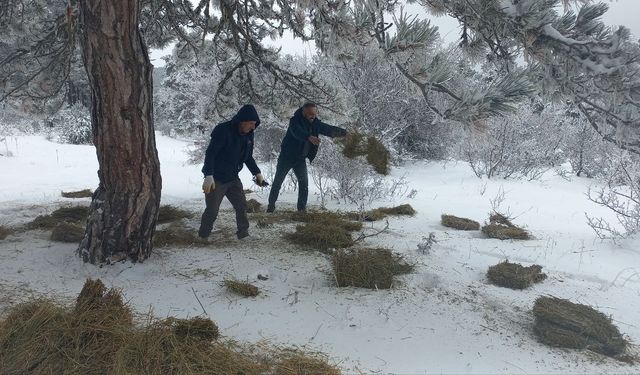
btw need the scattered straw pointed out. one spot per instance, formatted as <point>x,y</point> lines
<point>177,235</point>
<point>368,268</point>
<point>514,275</point>
<point>74,214</point>
<point>327,218</point>
<point>242,288</point>
<point>169,213</point>
<point>383,212</point>
<point>265,223</point>
<point>86,193</point>
<point>321,236</point>
<point>99,336</point>
<point>459,223</point>
<point>253,206</point>
<point>562,323</point>
<point>67,232</point>
<point>500,227</point>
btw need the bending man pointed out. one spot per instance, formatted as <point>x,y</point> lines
<point>300,143</point>
<point>231,146</point>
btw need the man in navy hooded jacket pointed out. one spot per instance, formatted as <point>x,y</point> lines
<point>230,148</point>
<point>300,143</point>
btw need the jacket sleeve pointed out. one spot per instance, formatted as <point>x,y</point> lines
<point>331,131</point>
<point>251,162</point>
<point>215,145</point>
<point>297,130</point>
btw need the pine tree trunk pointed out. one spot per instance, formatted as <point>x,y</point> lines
<point>125,206</point>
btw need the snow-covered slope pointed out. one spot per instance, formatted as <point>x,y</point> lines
<point>443,318</point>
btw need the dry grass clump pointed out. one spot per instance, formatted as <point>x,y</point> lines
<point>86,193</point>
<point>321,236</point>
<point>169,213</point>
<point>296,363</point>
<point>67,232</point>
<point>564,324</point>
<point>383,212</point>
<point>242,288</point>
<point>5,232</point>
<point>265,223</point>
<point>327,218</point>
<point>514,275</point>
<point>98,336</point>
<point>253,206</point>
<point>73,214</point>
<point>378,156</point>
<point>177,235</point>
<point>368,268</point>
<point>459,223</point>
<point>500,227</point>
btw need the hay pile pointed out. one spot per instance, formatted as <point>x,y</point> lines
<point>327,218</point>
<point>242,288</point>
<point>296,363</point>
<point>169,213</point>
<point>321,236</point>
<point>514,275</point>
<point>73,214</point>
<point>368,268</point>
<point>177,235</point>
<point>67,232</point>
<point>86,193</point>
<point>378,156</point>
<point>253,206</point>
<point>265,223</point>
<point>99,336</point>
<point>383,212</point>
<point>564,324</point>
<point>459,223</point>
<point>500,227</point>
<point>5,232</point>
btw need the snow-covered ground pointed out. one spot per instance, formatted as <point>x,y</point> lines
<point>443,318</point>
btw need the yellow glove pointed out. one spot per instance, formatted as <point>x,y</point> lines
<point>208,185</point>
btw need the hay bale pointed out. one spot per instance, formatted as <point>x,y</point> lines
<point>562,323</point>
<point>378,156</point>
<point>169,213</point>
<point>86,193</point>
<point>502,228</point>
<point>5,232</point>
<point>198,328</point>
<point>253,206</point>
<point>241,288</point>
<point>368,268</point>
<point>303,364</point>
<point>67,232</point>
<point>321,236</point>
<point>514,275</point>
<point>177,235</point>
<point>459,223</point>
<point>327,218</point>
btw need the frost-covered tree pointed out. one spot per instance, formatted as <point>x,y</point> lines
<point>574,54</point>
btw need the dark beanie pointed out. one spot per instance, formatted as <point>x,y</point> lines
<point>247,113</point>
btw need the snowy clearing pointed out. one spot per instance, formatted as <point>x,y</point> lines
<point>443,318</point>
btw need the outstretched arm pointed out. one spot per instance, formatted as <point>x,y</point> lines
<point>331,131</point>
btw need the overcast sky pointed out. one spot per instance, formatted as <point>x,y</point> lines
<point>621,12</point>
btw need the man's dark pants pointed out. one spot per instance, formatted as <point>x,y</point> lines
<point>299,167</point>
<point>235,194</point>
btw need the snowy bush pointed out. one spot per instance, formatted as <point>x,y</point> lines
<point>525,144</point>
<point>351,180</point>
<point>71,125</point>
<point>622,196</point>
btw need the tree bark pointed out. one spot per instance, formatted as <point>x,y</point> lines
<point>125,206</point>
